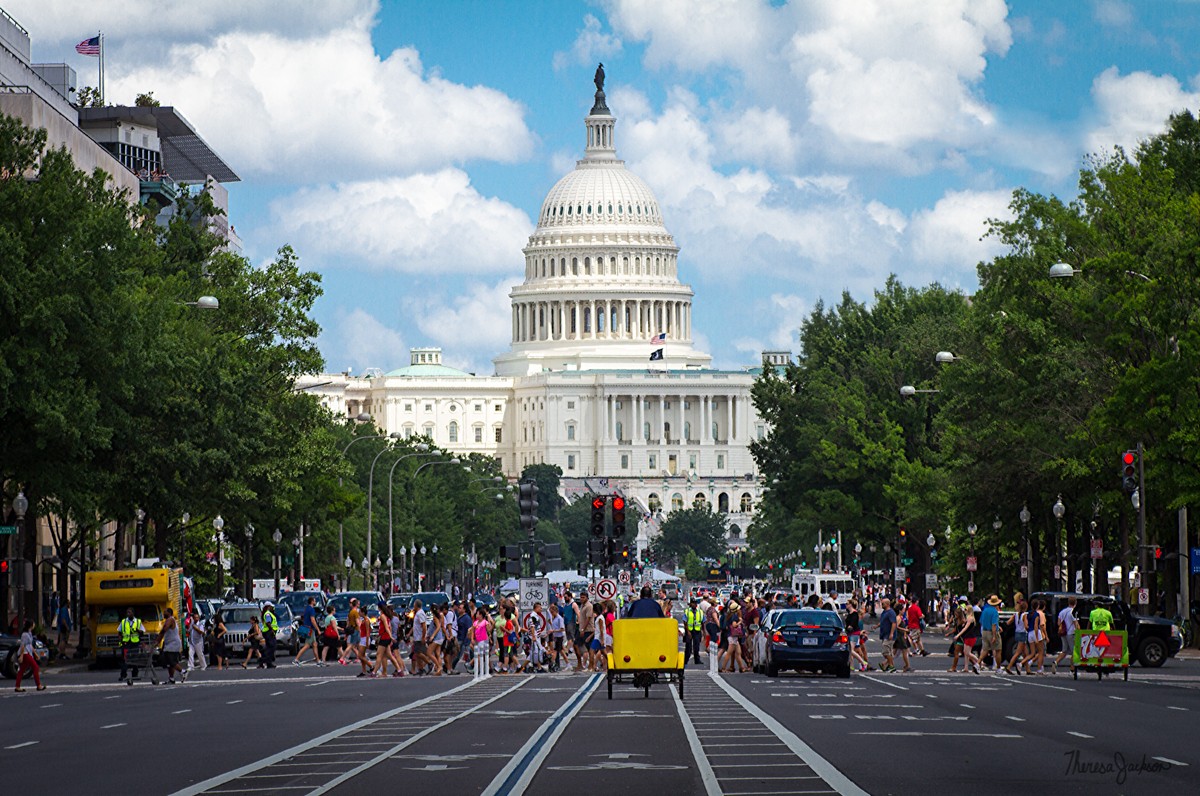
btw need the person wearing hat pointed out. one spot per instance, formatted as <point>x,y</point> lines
<point>989,626</point>
<point>964,639</point>
<point>693,629</point>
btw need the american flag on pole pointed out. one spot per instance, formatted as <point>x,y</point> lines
<point>661,337</point>
<point>89,46</point>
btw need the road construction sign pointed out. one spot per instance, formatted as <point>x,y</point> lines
<point>1101,648</point>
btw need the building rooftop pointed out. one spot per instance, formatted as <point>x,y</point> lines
<point>185,155</point>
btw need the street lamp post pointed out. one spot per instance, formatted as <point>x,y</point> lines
<point>375,577</point>
<point>20,505</point>
<point>246,568</point>
<point>1026,554</point>
<point>1060,511</point>
<point>931,542</point>
<point>421,451</point>
<point>371,490</point>
<point>403,568</point>
<point>972,529</point>
<point>298,543</point>
<point>996,526</point>
<point>349,565</point>
<point>435,566</point>
<point>362,417</point>
<point>412,565</point>
<point>421,582</point>
<point>218,524</point>
<point>276,537</point>
<point>366,565</point>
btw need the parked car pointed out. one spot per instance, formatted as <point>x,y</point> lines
<point>8,654</point>
<point>808,640</point>
<point>1152,639</point>
<point>287,640</point>
<point>296,600</point>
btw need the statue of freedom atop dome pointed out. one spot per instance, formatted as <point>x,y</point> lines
<point>599,78</point>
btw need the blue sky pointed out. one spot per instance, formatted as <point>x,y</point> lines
<point>797,149</point>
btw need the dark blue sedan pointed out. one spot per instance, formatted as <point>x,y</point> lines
<point>808,640</point>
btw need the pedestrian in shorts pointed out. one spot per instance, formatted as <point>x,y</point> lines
<point>558,632</point>
<point>1068,623</point>
<point>171,644</point>
<point>887,635</point>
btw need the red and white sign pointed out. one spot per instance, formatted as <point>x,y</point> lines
<point>533,620</point>
<point>623,577</point>
<point>1024,571</point>
<point>606,589</point>
<point>972,563</point>
<point>1097,549</point>
<point>1143,596</point>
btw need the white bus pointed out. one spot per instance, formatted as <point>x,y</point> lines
<point>807,582</point>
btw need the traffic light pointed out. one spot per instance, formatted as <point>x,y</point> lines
<point>610,552</point>
<point>510,556</point>
<point>4,579</point>
<point>596,551</point>
<point>528,503</point>
<point>599,502</point>
<point>1156,559</point>
<point>903,534</point>
<point>618,517</point>
<point>625,554</point>
<point>551,556</point>
<point>1129,480</point>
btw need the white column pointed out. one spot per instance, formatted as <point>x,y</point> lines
<point>705,423</point>
<point>636,414</point>
<point>729,419</point>
<point>662,417</point>
<point>682,436</point>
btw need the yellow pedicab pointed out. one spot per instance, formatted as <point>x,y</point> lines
<point>645,652</point>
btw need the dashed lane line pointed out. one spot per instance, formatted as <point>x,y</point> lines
<point>113,726</point>
<point>221,779</point>
<point>21,745</point>
<point>883,682</point>
<point>1025,681</point>
<point>1169,761</point>
<point>1079,734</point>
<point>707,775</point>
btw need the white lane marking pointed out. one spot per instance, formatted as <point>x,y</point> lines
<point>1079,734</point>
<point>1169,761</point>
<point>1014,718</point>
<point>177,712</point>
<point>556,725</point>
<point>835,778</point>
<point>1175,707</point>
<point>932,696</point>
<point>27,743</point>
<point>945,734</point>
<point>228,776</point>
<point>707,774</point>
<point>276,693</point>
<point>1025,681</point>
<point>118,696</point>
<point>233,702</point>
<point>321,682</point>
<point>55,705</point>
<point>111,726</point>
<point>965,705</point>
<point>1119,699</point>
<point>384,755</point>
<point>883,682</point>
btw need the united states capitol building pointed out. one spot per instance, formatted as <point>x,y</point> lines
<point>578,388</point>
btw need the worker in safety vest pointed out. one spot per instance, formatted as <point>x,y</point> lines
<point>693,630</point>
<point>132,630</point>
<point>270,628</point>
<point>1100,618</point>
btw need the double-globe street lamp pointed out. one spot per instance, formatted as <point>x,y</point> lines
<point>218,525</point>
<point>371,487</point>
<point>276,537</point>
<point>412,484</point>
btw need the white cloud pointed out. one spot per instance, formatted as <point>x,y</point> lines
<point>693,34</point>
<point>949,236</point>
<point>590,46</point>
<point>1113,14</point>
<point>358,340</point>
<point>473,325</point>
<point>1134,107</point>
<point>325,106</point>
<point>761,136</point>
<point>423,224</point>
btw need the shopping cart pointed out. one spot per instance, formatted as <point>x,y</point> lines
<point>141,658</point>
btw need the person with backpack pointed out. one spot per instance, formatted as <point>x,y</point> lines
<point>309,633</point>
<point>331,639</point>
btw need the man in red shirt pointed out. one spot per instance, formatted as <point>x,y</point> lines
<point>916,618</point>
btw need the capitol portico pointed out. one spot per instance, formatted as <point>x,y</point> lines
<point>601,378</point>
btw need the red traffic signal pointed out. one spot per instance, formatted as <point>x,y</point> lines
<point>618,503</point>
<point>3,567</point>
<point>1157,553</point>
<point>598,503</point>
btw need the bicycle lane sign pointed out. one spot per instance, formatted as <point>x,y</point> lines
<point>533,590</point>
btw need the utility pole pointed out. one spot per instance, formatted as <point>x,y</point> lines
<point>1141,510</point>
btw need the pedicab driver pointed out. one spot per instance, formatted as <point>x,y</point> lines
<point>645,607</point>
<point>1100,618</point>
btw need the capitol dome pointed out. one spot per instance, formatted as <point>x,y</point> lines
<point>601,287</point>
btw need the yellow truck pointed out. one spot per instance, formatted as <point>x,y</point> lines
<point>149,591</point>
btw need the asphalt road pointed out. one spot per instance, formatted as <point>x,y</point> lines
<point>308,730</point>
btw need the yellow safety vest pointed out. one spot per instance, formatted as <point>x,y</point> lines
<point>693,619</point>
<point>130,630</point>
<point>270,622</point>
<point>1100,618</point>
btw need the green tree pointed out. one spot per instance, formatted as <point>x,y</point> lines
<point>547,477</point>
<point>697,529</point>
<point>694,569</point>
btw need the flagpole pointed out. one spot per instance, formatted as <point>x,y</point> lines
<point>100,34</point>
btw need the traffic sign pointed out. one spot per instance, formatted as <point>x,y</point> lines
<point>533,620</point>
<point>533,590</point>
<point>906,561</point>
<point>606,589</point>
<point>972,564</point>
<point>930,580</point>
<point>900,573</point>
<point>1143,596</point>
<point>1097,549</point>
<point>7,530</point>
<point>623,577</point>
<point>971,585</point>
<point>592,591</point>
<point>1024,571</point>
<point>1196,560</point>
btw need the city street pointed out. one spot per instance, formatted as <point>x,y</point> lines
<point>309,730</point>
